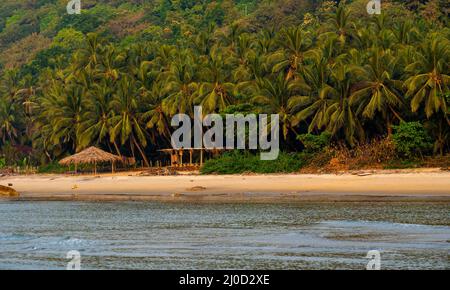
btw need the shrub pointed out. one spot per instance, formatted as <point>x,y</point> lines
<point>237,162</point>
<point>366,155</point>
<point>315,143</point>
<point>411,139</point>
<point>373,154</point>
<point>53,167</point>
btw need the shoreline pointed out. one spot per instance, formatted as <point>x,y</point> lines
<point>380,186</point>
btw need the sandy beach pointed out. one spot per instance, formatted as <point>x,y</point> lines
<point>419,185</point>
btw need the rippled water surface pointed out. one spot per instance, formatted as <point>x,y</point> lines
<point>37,235</point>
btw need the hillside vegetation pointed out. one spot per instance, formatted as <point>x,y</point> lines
<point>114,75</point>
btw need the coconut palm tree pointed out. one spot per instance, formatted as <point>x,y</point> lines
<point>96,124</point>
<point>156,116</point>
<point>379,91</point>
<point>342,23</point>
<point>181,84</point>
<point>215,93</point>
<point>62,106</point>
<point>429,79</point>
<point>9,121</point>
<point>274,96</point>
<point>296,47</point>
<point>126,122</point>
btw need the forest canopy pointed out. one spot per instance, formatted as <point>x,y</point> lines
<point>114,75</point>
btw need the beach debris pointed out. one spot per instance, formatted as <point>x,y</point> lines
<point>177,194</point>
<point>6,191</point>
<point>197,188</point>
<point>10,184</point>
<point>75,187</point>
<point>362,174</point>
<point>158,171</point>
<point>6,172</point>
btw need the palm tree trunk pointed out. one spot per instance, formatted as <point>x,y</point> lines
<point>389,126</point>
<point>117,149</point>
<point>147,164</point>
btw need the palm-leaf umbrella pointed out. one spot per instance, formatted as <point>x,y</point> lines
<point>91,155</point>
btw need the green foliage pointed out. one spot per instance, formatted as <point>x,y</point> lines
<point>115,75</point>
<point>69,38</point>
<point>52,167</point>
<point>237,162</point>
<point>2,162</point>
<point>403,164</point>
<point>243,108</point>
<point>44,59</point>
<point>315,143</point>
<point>15,18</point>
<point>411,139</point>
<point>89,20</point>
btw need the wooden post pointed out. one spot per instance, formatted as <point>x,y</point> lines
<point>201,157</point>
<point>181,157</point>
<point>190,156</point>
<point>95,167</point>
<point>76,166</point>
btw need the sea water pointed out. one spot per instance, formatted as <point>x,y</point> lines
<point>134,235</point>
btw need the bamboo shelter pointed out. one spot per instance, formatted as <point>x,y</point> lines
<point>91,155</point>
<point>176,155</point>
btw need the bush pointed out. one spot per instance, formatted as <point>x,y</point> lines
<point>315,143</point>
<point>411,139</point>
<point>237,162</point>
<point>53,167</point>
<point>366,155</point>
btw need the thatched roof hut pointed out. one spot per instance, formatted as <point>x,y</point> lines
<point>91,155</point>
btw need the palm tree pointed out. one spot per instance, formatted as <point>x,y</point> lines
<point>88,56</point>
<point>181,84</point>
<point>62,107</point>
<point>329,107</point>
<point>215,92</point>
<point>379,91</point>
<point>296,47</point>
<point>108,64</point>
<point>96,120</point>
<point>126,123</point>
<point>405,32</point>
<point>156,116</point>
<point>266,40</point>
<point>341,23</point>
<point>244,54</point>
<point>26,94</point>
<point>275,95</point>
<point>314,105</point>
<point>341,113</point>
<point>9,117</point>
<point>429,78</point>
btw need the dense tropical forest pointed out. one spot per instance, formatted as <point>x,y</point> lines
<point>114,75</point>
